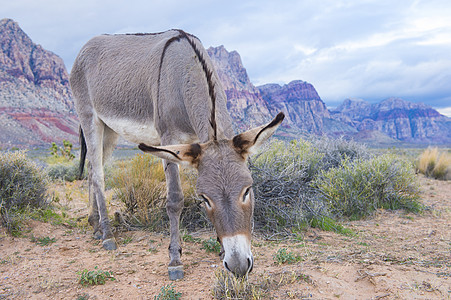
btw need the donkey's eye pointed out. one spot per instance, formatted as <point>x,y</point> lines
<point>207,202</point>
<point>246,194</point>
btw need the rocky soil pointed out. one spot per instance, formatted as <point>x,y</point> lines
<point>393,256</point>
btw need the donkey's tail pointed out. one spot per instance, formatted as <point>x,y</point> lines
<point>83,151</point>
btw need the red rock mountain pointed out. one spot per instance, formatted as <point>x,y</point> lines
<point>36,104</point>
<point>251,106</point>
<point>300,102</point>
<point>245,104</point>
<point>398,119</point>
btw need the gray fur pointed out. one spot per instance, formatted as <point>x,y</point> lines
<point>156,89</point>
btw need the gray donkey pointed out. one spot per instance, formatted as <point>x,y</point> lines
<point>161,91</point>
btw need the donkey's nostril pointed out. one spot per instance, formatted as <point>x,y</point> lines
<point>250,265</point>
<point>227,267</point>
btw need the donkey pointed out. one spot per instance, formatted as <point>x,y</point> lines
<point>160,91</point>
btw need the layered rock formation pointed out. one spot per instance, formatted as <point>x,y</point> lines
<point>35,98</point>
<point>245,104</point>
<point>36,105</point>
<point>386,122</point>
<point>397,118</point>
<point>251,106</point>
<point>300,102</point>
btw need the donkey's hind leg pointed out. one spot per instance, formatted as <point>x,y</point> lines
<point>94,131</point>
<point>94,217</point>
<point>109,143</point>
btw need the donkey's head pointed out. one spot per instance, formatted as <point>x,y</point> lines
<point>225,184</point>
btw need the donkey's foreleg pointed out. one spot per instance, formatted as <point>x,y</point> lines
<point>174,208</point>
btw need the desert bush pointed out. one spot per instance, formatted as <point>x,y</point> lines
<point>356,188</point>
<point>140,184</point>
<point>434,164</point>
<point>65,171</point>
<point>283,172</point>
<point>22,185</point>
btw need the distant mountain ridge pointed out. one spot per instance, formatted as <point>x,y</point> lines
<point>35,98</point>
<point>389,121</point>
<point>36,103</point>
<point>397,118</point>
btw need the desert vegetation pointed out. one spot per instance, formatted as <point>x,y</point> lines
<point>435,164</point>
<point>317,183</point>
<point>23,188</point>
<point>312,182</point>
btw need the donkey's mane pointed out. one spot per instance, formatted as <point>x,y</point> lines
<point>207,71</point>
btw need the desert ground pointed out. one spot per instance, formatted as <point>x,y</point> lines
<point>393,256</point>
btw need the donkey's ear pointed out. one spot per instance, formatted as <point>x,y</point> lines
<point>180,154</point>
<point>247,142</point>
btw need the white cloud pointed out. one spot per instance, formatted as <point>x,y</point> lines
<point>446,111</point>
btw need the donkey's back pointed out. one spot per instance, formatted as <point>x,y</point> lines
<point>136,83</point>
<point>116,77</point>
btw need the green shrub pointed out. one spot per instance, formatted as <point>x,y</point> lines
<point>65,171</point>
<point>283,256</point>
<point>211,245</point>
<point>22,185</point>
<point>357,188</point>
<point>96,277</point>
<point>43,241</point>
<point>283,172</point>
<point>168,292</point>
<point>328,224</point>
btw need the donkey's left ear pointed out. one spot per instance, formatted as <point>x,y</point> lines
<point>181,154</point>
<point>247,142</point>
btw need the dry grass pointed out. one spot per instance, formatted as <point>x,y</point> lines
<point>435,164</point>
<point>228,287</point>
<point>140,184</point>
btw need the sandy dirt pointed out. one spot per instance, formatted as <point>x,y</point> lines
<point>394,256</point>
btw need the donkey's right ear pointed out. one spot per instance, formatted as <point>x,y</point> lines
<point>181,154</point>
<point>247,142</point>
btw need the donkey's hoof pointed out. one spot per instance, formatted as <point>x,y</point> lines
<point>109,244</point>
<point>176,272</point>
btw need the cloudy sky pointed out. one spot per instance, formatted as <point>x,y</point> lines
<point>370,49</point>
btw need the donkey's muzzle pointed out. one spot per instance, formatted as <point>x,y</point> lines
<point>238,257</point>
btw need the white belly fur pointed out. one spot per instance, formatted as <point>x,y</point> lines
<point>133,131</point>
